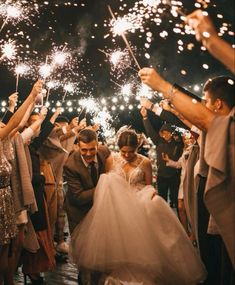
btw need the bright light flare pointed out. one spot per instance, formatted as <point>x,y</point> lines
<point>8,50</point>
<point>126,90</point>
<point>90,104</point>
<point>45,70</point>
<point>60,58</point>
<point>120,26</point>
<point>51,84</point>
<point>21,69</point>
<point>13,11</point>
<point>116,57</point>
<point>144,91</point>
<point>151,3</point>
<point>69,87</point>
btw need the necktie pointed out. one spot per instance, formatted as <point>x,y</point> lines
<point>94,175</point>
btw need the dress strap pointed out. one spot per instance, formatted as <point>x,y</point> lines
<point>141,162</point>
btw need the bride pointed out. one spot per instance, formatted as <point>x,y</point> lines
<point>131,235</point>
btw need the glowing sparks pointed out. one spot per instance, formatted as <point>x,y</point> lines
<point>10,12</point>
<point>45,70</point>
<point>13,11</point>
<point>8,50</point>
<point>120,59</point>
<point>126,90</point>
<point>121,25</point>
<point>21,69</point>
<point>89,104</point>
<point>60,58</point>
<point>51,84</point>
<point>69,87</point>
<point>116,57</point>
<point>144,91</point>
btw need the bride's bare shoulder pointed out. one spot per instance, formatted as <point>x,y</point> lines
<point>144,159</point>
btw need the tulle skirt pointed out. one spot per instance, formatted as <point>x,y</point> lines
<point>133,236</point>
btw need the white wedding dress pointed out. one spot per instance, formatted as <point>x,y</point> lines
<point>132,235</point>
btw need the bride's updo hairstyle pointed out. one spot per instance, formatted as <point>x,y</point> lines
<point>128,138</point>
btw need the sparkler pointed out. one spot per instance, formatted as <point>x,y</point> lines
<point>59,58</point>
<point>119,85</point>
<point>8,50</point>
<point>144,92</point>
<point>126,90</point>
<point>20,70</point>
<point>103,118</point>
<point>45,70</point>
<point>50,85</point>
<point>89,104</point>
<point>68,88</point>
<point>11,12</point>
<point>118,59</point>
<point>121,33</point>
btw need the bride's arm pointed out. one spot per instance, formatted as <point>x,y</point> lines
<point>148,172</point>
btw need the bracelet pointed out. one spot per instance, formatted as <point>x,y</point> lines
<point>170,95</point>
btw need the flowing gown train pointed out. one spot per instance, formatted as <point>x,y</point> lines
<point>133,236</point>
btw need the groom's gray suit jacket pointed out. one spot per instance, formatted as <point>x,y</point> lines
<point>79,196</point>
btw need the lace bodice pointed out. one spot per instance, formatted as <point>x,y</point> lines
<point>135,173</point>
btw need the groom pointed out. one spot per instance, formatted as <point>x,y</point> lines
<point>82,171</point>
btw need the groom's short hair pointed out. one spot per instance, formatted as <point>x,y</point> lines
<point>87,136</point>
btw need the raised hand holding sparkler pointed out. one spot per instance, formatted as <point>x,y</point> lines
<point>12,101</point>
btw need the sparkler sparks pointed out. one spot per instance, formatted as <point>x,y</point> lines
<point>11,12</point>
<point>60,58</point>
<point>89,104</point>
<point>121,25</point>
<point>45,70</point>
<point>68,88</point>
<point>20,69</point>
<point>124,38</point>
<point>8,50</point>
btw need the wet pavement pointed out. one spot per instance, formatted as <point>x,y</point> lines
<point>64,274</point>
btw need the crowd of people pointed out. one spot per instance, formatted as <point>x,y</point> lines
<point>123,229</point>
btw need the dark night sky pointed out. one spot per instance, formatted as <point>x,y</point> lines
<point>76,26</point>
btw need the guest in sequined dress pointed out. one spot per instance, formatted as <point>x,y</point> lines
<point>8,229</point>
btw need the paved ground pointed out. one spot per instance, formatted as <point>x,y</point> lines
<point>64,274</point>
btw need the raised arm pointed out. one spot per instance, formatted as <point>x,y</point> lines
<point>191,109</point>
<point>26,117</point>
<point>18,115</point>
<point>12,101</point>
<point>166,113</point>
<point>31,130</point>
<point>150,131</point>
